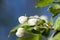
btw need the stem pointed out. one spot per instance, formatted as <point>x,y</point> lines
<point>48,28</point>
<point>56,2</point>
<point>53,34</point>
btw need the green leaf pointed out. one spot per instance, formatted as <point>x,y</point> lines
<point>31,37</point>
<point>57,36</point>
<point>29,30</point>
<point>54,9</point>
<point>42,3</point>
<point>50,38</point>
<point>58,0</point>
<point>57,24</point>
<point>12,31</point>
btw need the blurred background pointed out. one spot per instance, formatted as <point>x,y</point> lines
<point>10,10</point>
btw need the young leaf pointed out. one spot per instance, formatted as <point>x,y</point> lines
<point>57,24</point>
<point>12,31</point>
<point>42,3</point>
<point>31,37</point>
<point>50,39</point>
<point>58,0</point>
<point>54,9</point>
<point>57,37</point>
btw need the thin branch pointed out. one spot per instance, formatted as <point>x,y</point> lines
<point>52,28</point>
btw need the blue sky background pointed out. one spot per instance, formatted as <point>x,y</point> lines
<point>10,10</point>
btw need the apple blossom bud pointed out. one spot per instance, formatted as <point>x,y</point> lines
<point>20,29</point>
<point>22,19</point>
<point>36,16</point>
<point>32,21</point>
<point>44,18</point>
<point>20,32</point>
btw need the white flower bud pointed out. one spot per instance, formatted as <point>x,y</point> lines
<point>44,18</point>
<point>20,29</point>
<point>22,19</point>
<point>31,17</point>
<point>36,16</point>
<point>20,32</point>
<point>32,21</point>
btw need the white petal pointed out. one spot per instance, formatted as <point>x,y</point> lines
<point>32,21</point>
<point>22,19</point>
<point>36,16</point>
<point>31,17</point>
<point>43,17</point>
<point>20,29</point>
<point>19,34</point>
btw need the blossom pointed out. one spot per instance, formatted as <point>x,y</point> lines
<point>20,32</point>
<point>32,21</point>
<point>43,17</point>
<point>36,16</point>
<point>20,29</point>
<point>22,19</point>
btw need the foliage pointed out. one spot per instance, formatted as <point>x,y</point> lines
<point>54,9</point>
<point>56,37</point>
<point>57,24</point>
<point>31,37</point>
<point>42,3</point>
